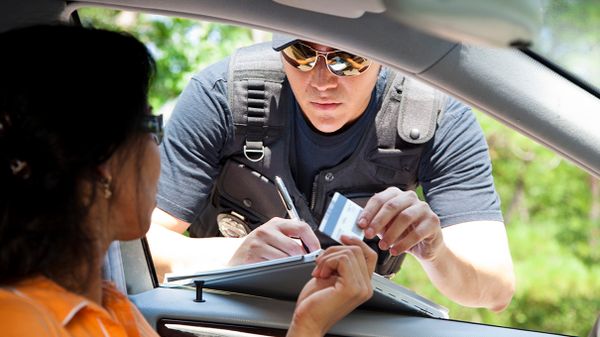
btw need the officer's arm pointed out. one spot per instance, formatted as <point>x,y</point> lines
<point>468,262</point>
<point>168,221</point>
<point>474,267</point>
<point>174,252</point>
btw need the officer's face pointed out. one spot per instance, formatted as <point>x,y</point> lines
<point>328,101</point>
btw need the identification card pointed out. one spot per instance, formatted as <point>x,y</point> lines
<point>341,218</point>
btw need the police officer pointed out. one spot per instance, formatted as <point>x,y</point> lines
<point>327,120</point>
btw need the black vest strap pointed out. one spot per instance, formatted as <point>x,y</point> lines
<point>255,78</point>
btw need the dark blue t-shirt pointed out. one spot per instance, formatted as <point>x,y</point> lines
<point>314,151</point>
<point>455,170</point>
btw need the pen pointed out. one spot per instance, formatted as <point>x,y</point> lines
<point>286,199</point>
<point>289,205</point>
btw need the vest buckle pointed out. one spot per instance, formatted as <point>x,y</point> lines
<point>254,154</point>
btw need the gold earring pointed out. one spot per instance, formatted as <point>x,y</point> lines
<point>106,184</point>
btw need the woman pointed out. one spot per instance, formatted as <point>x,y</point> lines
<point>79,165</point>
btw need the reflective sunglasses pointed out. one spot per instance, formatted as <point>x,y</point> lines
<point>153,124</point>
<point>339,63</point>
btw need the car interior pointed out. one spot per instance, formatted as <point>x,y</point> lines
<point>438,43</point>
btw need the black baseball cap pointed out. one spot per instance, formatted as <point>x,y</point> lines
<point>280,41</point>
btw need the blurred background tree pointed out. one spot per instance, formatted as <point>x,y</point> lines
<point>551,207</point>
<point>181,47</point>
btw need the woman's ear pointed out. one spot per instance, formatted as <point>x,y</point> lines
<point>105,179</point>
<point>104,172</point>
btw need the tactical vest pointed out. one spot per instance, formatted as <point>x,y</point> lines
<point>262,106</point>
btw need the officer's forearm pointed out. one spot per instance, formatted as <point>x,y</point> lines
<point>474,270</point>
<point>175,253</point>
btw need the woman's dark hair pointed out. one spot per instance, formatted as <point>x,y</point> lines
<point>69,97</point>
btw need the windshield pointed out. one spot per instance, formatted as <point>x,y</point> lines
<point>570,37</point>
<point>551,206</point>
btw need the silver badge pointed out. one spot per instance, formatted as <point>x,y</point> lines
<point>232,225</point>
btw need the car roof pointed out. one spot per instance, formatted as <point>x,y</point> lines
<point>503,82</point>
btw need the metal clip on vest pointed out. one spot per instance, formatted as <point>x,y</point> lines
<point>254,154</point>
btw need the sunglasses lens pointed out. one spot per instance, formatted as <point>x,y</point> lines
<point>300,56</point>
<point>342,63</point>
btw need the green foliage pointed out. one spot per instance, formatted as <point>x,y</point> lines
<point>538,186</point>
<point>570,37</point>
<point>556,291</point>
<point>555,188</point>
<point>549,204</point>
<point>181,47</point>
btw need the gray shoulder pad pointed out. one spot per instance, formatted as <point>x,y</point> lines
<point>420,107</point>
<point>254,85</point>
<point>257,62</point>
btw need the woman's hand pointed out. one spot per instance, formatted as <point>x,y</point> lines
<point>341,282</point>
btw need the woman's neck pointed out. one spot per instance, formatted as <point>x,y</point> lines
<point>89,283</point>
<point>93,286</point>
<point>87,279</point>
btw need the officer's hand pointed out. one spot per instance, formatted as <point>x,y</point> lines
<point>341,281</point>
<point>403,222</point>
<point>276,238</point>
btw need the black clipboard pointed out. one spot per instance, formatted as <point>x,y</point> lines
<point>284,279</point>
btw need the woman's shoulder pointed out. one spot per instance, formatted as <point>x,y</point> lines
<point>20,316</point>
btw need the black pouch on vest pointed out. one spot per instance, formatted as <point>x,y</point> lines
<point>251,194</point>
